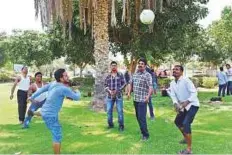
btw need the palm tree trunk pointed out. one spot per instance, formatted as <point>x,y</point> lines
<point>101,52</point>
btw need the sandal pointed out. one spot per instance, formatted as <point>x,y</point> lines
<point>185,152</point>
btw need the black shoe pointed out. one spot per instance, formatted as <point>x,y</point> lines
<point>145,138</point>
<point>110,127</point>
<point>121,128</point>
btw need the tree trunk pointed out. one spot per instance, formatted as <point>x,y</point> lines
<point>81,71</point>
<point>101,52</point>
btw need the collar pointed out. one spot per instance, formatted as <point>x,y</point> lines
<point>181,78</point>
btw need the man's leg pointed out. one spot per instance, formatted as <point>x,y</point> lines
<point>187,126</point>
<point>228,88</point>
<point>151,108</point>
<point>54,126</point>
<point>179,123</point>
<point>142,112</point>
<point>119,104</point>
<point>22,104</point>
<point>223,90</point>
<point>220,90</point>
<point>110,106</point>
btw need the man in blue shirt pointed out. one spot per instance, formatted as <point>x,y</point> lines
<point>57,91</point>
<point>222,81</point>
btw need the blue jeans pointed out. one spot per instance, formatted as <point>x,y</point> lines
<point>229,88</point>
<point>222,88</point>
<point>110,105</point>
<point>33,107</point>
<point>54,126</point>
<point>141,112</point>
<point>151,108</point>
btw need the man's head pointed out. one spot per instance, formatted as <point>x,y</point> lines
<point>178,71</point>
<point>38,77</point>
<point>24,70</point>
<point>142,63</point>
<point>61,76</point>
<point>228,66</point>
<point>113,66</point>
<point>221,68</point>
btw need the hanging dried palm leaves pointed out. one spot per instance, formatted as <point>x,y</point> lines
<point>113,14</point>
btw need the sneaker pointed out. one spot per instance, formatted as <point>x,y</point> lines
<point>110,127</point>
<point>144,138</point>
<point>152,118</point>
<point>121,128</point>
<point>185,152</point>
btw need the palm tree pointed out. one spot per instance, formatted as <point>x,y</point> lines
<point>99,15</point>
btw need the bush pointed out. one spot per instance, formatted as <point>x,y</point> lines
<point>164,82</point>
<point>4,77</point>
<point>209,82</point>
<point>82,81</point>
<point>196,81</point>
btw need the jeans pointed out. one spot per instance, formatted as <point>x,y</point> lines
<point>222,88</point>
<point>110,106</point>
<point>184,119</point>
<point>151,108</point>
<point>33,107</point>
<point>229,88</point>
<point>141,112</point>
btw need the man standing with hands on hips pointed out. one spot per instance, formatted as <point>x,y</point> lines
<point>143,89</point>
<point>184,97</point>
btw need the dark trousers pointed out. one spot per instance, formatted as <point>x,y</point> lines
<point>141,112</point>
<point>22,104</point>
<point>229,88</point>
<point>184,119</point>
<point>222,89</point>
<point>151,108</point>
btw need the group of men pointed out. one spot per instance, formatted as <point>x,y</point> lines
<point>225,81</point>
<point>182,92</point>
<point>50,97</point>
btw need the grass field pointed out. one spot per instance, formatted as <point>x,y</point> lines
<point>85,132</point>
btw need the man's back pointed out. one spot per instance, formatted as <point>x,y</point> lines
<point>222,78</point>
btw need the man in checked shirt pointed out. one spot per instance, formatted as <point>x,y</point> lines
<point>143,89</point>
<point>114,83</point>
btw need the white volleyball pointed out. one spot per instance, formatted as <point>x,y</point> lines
<point>147,16</point>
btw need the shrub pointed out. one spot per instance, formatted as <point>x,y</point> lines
<point>4,77</point>
<point>82,81</point>
<point>196,81</point>
<point>164,82</point>
<point>209,82</point>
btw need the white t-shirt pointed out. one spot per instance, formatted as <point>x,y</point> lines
<point>24,83</point>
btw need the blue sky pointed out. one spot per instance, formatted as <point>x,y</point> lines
<point>19,14</point>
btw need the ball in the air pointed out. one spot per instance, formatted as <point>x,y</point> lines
<point>147,16</point>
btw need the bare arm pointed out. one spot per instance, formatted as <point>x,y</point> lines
<point>31,90</point>
<point>14,86</point>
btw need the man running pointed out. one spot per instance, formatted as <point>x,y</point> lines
<point>40,99</point>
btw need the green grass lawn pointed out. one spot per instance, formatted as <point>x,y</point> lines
<point>84,131</point>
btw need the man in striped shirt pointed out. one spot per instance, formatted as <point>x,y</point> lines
<point>114,83</point>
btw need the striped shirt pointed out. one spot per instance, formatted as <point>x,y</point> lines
<point>116,83</point>
<point>142,81</point>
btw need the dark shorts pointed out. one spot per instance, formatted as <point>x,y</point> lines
<point>184,119</point>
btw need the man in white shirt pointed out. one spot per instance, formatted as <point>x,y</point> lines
<point>184,96</point>
<point>229,78</point>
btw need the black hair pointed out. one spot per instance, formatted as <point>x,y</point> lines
<point>59,74</point>
<point>228,65</point>
<point>221,68</point>
<point>24,67</point>
<point>181,67</point>
<point>38,73</point>
<point>143,60</point>
<point>113,62</point>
